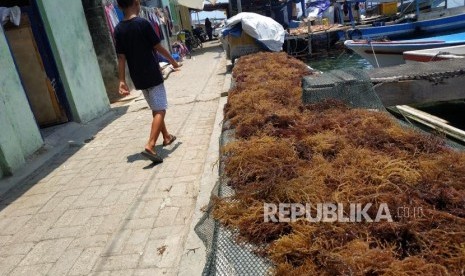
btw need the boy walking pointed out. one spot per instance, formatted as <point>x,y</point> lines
<point>137,43</point>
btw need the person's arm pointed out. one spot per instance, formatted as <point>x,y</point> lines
<point>160,49</point>
<point>123,87</point>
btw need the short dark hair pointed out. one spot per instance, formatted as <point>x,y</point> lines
<point>124,4</point>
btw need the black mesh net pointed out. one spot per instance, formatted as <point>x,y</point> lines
<point>224,255</point>
<point>351,86</point>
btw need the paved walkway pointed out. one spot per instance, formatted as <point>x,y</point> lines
<point>100,208</point>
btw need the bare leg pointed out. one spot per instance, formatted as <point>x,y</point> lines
<point>157,123</point>
<point>164,131</point>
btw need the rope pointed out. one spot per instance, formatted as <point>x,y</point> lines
<point>374,54</point>
<point>437,54</point>
<point>444,53</point>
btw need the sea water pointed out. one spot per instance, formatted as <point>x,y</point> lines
<point>337,60</point>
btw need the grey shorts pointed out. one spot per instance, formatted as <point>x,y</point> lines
<point>156,97</point>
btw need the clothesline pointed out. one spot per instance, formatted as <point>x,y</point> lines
<point>156,16</point>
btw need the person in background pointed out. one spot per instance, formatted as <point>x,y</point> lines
<point>208,28</point>
<point>137,43</point>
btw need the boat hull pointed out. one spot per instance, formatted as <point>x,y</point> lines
<point>444,22</point>
<point>390,53</point>
<point>436,54</point>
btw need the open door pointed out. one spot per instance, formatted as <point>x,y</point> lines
<point>41,89</point>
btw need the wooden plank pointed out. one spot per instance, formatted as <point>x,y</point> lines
<point>432,122</point>
<point>59,110</point>
<point>420,91</point>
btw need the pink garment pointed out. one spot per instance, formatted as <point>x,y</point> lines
<point>156,26</point>
<point>107,15</point>
<point>112,17</point>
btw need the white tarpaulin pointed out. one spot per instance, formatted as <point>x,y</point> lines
<point>194,4</point>
<point>262,28</point>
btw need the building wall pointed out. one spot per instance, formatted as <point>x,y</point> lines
<point>184,17</point>
<point>71,43</point>
<point>174,14</point>
<point>19,134</point>
<point>103,45</point>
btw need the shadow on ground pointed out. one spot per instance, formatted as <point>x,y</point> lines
<point>92,128</point>
<point>161,151</point>
<point>209,46</point>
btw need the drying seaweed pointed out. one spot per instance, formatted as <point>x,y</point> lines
<point>261,98</point>
<point>326,152</point>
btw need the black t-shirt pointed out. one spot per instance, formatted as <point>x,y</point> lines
<point>135,39</point>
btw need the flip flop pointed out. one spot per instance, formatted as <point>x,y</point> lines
<point>172,139</point>
<point>152,157</point>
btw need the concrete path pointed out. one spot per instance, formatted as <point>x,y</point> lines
<point>100,208</point>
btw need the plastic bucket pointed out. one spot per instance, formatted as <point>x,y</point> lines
<point>182,36</point>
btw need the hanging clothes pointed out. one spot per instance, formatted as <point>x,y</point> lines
<point>109,21</point>
<point>161,16</point>
<point>154,24</point>
<point>170,21</point>
<point>111,16</point>
<point>160,22</point>
<point>114,15</point>
<point>151,16</point>
<point>12,14</point>
<point>119,13</point>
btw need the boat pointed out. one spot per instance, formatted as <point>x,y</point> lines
<point>439,21</point>
<point>435,54</point>
<point>390,53</point>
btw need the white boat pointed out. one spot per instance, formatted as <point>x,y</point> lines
<point>390,53</point>
<point>435,54</point>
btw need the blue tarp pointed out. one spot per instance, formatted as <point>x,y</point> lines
<point>321,5</point>
<point>235,31</point>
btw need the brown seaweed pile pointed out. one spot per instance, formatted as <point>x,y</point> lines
<point>286,152</point>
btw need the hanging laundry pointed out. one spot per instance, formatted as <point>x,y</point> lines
<point>119,13</point>
<point>12,14</point>
<point>153,18</point>
<point>170,21</point>
<point>112,16</point>
<point>161,16</point>
<point>154,23</point>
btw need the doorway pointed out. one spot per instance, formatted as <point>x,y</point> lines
<point>36,68</point>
